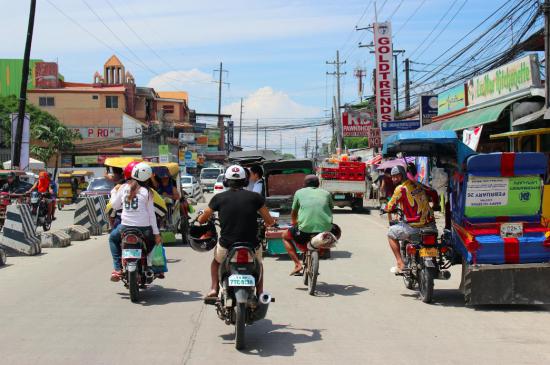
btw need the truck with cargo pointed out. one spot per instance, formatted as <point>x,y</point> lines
<point>346,181</point>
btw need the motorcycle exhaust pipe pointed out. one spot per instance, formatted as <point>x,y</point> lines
<point>149,276</point>
<point>444,275</point>
<point>261,308</point>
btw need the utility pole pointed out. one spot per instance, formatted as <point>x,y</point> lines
<point>295,148</point>
<point>316,143</point>
<point>396,52</point>
<point>337,73</point>
<point>360,73</point>
<point>241,122</point>
<point>221,145</point>
<point>265,138</point>
<point>257,132</point>
<point>407,85</point>
<point>16,158</point>
<point>306,147</point>
<point>281,142</point>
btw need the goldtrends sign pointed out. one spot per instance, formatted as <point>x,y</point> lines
<point>384,72</point>
<point>506,80</point>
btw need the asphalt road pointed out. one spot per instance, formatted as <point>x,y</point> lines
<point>60,308</point>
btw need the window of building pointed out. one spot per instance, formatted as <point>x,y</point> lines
<point>111,102</point>
<point>168,109</point>
<point>46,101</point>
<point>95,97</point>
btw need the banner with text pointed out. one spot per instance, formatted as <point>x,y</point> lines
<point>395,126</point>
<point>384,71</point>
<point>356,124</point>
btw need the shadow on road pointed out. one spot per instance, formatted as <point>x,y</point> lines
<point>349,211</point>
<point>158,295</point>
<point>266,339</point>
<point>455,298</point>
<point>340,254</point>
<point>330,290</point>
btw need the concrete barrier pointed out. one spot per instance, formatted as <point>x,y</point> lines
<point>3,257</point>
<point>19,231</point>
<point>78,233</point>
<point>85,215</point>
<point>100,203</point>
<point>55,239</point>
<point>199,196</point>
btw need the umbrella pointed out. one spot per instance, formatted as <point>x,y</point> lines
<point>375,160</point>
<point>388,164</point>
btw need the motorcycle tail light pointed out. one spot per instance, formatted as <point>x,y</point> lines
<point>444,249</point>
<point>411,250</point>
<point>242,256</point>
<point>132,239</point>
<point>429,240</point>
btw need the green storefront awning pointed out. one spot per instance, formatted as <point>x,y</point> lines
<point>471,119</point>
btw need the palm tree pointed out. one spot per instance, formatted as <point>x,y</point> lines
<point>58,138</point>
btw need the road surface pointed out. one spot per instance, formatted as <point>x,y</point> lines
<point>60,308</point>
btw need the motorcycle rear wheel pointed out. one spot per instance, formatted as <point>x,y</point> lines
<point>313,272</point>
<point>426,283</point>
<point>240,314</point>
<point>306,269</point>
<point>133,286</point>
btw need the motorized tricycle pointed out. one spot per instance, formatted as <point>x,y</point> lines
<point>493,217</point>
<point>65,189</point>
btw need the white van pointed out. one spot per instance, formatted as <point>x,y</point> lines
<point>209,176</point>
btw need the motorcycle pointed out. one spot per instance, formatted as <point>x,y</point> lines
<point>236,303</point>
<point>136,273</point>
<point>39,210</point>
<point>425,259</point>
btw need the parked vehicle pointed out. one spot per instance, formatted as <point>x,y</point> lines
<point>98,186</point>
<point>39,210</point>
<point>208,177</point>
<point>84,178</point>
<point>218,186</point>
<point>136,274</point>
<point>190,185</point>
<point>495,222</point>
<point>5,200</point>
<point>237,303</point>
<point>346,181</point>
<point>65,193</point>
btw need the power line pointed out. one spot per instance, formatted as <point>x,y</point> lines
<point>395,10</point>
<point>409,18</point>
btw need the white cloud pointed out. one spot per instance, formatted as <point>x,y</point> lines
<point>180,80</point>
<point>266,103</point>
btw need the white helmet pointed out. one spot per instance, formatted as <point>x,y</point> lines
<point>142,172</point>
<point>235,172</point>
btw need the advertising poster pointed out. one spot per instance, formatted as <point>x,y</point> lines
<point>471,137</point>
<point>503,196</point>
<point>429,107</point>
<point>356,124</point>
<point>451,100</point>
<point>422,170</point>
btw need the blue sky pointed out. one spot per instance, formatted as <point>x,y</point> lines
<point>275,50</point>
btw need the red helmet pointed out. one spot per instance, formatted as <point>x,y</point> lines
<point>128,169</point>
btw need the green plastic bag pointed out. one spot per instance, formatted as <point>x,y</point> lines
<point>191,209</point>
<point>157,256</point>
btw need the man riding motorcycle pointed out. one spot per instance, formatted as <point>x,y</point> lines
<point>11,185</point>
<point>311,214</point>
<point>237,209</point>
<point>414,200</point>
<point>43,186</point>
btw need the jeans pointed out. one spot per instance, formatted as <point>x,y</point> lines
<point>115,240</point>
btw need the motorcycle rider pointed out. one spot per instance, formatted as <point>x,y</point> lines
<point>257,183</point>
<point>135,199</point>
<point>311,214</point>
<point>11,185</point>
<point>414,200</point>
<point>238,209</point>
<point>43,186</point>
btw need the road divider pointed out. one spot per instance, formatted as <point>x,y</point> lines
<point>100,203</point>
<point>19,231</point>
<point>55,239</point>
<point>86,215</point>
<point>78,233</point>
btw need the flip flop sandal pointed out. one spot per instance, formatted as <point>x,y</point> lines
<point>297,272</point>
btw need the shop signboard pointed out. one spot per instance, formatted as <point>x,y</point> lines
<point>394,126</point>
<point>66,160</point>
<point>98,132</point>
<point>383,49</point>
<point>374,138</point>
<point>506,80</point>
<point>356,124</point>
<point>164,153</point>
<point>451,100</point>
<point>503,196</point>
<point>86,160</point>
<point>201,140</point>
<point>213,137</point>
<point>186,137</point>
<point>428,107</point>
<point>199,127</point>
<point>181,156</point>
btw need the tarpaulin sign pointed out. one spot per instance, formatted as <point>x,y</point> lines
<point>503,196</point>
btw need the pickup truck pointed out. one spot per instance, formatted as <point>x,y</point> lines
<point>345,180</point>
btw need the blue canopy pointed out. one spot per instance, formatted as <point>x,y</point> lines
<point>427,143</point>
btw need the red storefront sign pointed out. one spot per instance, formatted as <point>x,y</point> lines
<point>356,124</point>
<point>384,71</point>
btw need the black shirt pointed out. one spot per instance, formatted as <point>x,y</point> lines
<point>238,213</point>
<point>10,188</point>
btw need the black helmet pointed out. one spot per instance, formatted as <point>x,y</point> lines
<point>204,237</point>
<point>336,231</point>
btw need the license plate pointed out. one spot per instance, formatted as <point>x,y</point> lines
<point>339,197</point>
<point>134,253</point>
<point>508,230</point>
<point>242,280</point>
<point>428,252</point>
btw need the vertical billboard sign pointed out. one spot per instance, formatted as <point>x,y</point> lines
<point>428,108</point>
<point>384,72</point>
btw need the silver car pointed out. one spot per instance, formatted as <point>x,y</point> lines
<point>190,185</point>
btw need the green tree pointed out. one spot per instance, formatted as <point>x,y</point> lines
<point>288,156</point>
<point>44,127</point>
<point>356,142</point>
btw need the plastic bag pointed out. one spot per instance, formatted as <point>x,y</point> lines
<point>158,259</point>
<point>191,209</point>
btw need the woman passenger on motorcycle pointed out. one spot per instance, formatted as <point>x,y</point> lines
<point>138,211</point>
